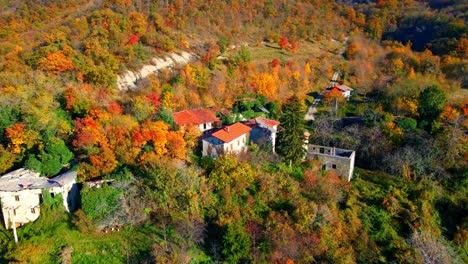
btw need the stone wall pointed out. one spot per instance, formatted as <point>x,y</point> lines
<point>340,160</point>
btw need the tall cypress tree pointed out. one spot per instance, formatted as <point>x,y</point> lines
<point>291,136</point>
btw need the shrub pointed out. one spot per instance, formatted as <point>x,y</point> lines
<point>98,203</point>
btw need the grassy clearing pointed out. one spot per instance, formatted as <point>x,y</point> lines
<point>265,53</point>
<point>458,96</point>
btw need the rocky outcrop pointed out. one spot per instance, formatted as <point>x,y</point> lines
<point>128,80</point>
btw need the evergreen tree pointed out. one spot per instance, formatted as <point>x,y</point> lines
<point>236,244</point>
<point>291,137</point>
<point>431,103</point>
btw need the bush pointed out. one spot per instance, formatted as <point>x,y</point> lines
<point>407,124</point>
<point>99,203</point>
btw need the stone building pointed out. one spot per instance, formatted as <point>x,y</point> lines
<point>331,158</point>
<point>21,192</point>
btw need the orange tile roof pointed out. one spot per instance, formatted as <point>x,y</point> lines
<point>231,132</point>
<point>194,117</point>
<point>334,89</point>
<point>267,122</point>
<point>344,88</point>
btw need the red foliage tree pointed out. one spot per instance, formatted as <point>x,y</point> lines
<point>283,43</point>
<point>133,39</point>
<point>114,108</point>
<point>275,63</point>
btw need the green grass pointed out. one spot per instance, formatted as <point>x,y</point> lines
<point>44,241</point>
<point>458,96</point>
<point>265,53</point>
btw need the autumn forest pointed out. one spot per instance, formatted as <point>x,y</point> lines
<point>64,108</point>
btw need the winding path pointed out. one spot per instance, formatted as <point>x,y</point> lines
<point>313,107</point>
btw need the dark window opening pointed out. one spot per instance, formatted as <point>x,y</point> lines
<point>324,166</point>
<point>334,166</point>
<point>17,198</point>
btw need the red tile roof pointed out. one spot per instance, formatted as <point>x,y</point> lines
<point>194,117</point>
<point>267,122</point>
<point>231,132</point>
<point>334,89</point>
<point>344,88</point>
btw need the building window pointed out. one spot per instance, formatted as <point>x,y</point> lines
<point>17,198</point>
<point>14,211</point>
<point>324,166</point>
<point>322,150</point>
<point>238,143</point>
<point>204,126</point>
<point>334,166</point>
<point>33,211</point>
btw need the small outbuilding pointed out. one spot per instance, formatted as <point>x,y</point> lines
<point>343,89</point>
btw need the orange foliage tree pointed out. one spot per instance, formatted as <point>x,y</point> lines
<point>20,138</point>
<point>56,62</point>
<point>176,144</point>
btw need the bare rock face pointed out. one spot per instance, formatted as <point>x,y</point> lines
<point>128,80</point>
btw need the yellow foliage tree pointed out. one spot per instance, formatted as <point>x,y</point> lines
<point>264,84</point>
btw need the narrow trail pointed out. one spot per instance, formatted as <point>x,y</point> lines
<point>313,107</point>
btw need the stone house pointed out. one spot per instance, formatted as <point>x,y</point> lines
<point>264,131</point>
<point>331,158</point>
<point>231,139</point>
<point>204,119</point>
<point>21,192</point>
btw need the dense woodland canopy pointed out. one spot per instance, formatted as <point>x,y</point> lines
<point>60,110</point>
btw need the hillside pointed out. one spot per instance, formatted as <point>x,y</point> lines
<point>64,106</point>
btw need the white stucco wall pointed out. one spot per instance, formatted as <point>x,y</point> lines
<point>236,146</point>
<point>214,147</point>
<point>205,127</point>
<point>23,206</point>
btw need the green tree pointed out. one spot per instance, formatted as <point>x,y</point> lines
<point>243,55</point>
<point>51,158</point>
<point>236,244</point>
<point>165,115</point>
<point>223,43</point>
<point>431,103</point>
<point>8,116</point>
<point>291,138</point>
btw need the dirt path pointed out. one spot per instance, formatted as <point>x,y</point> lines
<point>313,107</point>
